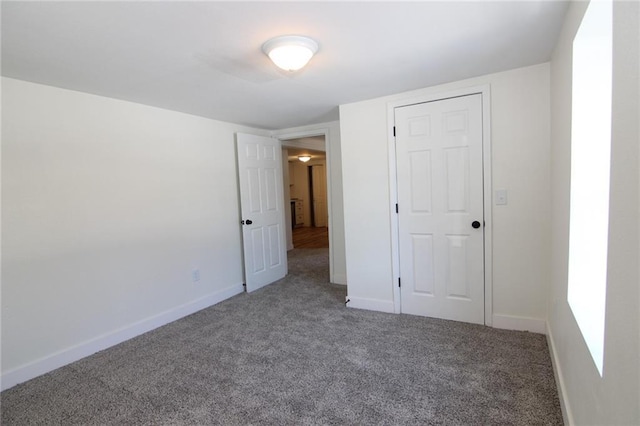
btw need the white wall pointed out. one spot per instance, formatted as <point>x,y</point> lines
<point>333,148</point>
<point>587,397</point>
<point>107,208</point>
<point>520,157</point>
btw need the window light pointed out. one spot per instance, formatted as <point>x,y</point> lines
<point>590,171</point>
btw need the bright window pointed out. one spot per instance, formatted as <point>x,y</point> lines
<point>590,164</point>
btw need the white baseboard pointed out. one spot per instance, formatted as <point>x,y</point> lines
<point>339,279</point>
<point>567,415</point>
<point>84,349</point>
<point>509,322</point>
<point>370,304</point>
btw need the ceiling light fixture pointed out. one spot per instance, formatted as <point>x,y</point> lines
<point>290,53</point>
<point>304,158</point>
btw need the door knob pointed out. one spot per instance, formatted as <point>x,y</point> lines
<point>248,222</point>
<point>475,224</point>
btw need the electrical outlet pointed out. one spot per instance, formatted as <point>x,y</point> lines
<point>195,275</point>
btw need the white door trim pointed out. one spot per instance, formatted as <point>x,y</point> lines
<point>485,91</point>
<point>320,131</point>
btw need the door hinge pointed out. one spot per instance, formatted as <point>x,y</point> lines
<point>399,282</point>
<point>396,207</point>
<point>394,131</point>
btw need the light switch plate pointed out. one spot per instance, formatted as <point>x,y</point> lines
<point>501,197</point>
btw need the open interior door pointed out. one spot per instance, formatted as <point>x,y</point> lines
<point>262,208</point>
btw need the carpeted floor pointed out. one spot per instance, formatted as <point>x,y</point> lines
<point>292,354</point>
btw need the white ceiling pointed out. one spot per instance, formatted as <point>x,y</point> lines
<point>205,58</point>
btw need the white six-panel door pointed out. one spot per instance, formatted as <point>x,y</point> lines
<point>262,204</point>
<point>440,196</point>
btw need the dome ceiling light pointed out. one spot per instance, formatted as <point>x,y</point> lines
<point>290,53</point>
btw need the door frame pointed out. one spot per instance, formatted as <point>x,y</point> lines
<point>485,92</point>
<point>285,141</point>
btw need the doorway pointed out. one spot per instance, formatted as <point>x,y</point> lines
<point>324,138</point>
<point>307,191</point>
<point>316,234</point>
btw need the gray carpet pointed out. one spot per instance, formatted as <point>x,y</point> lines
<point>292,354</point>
